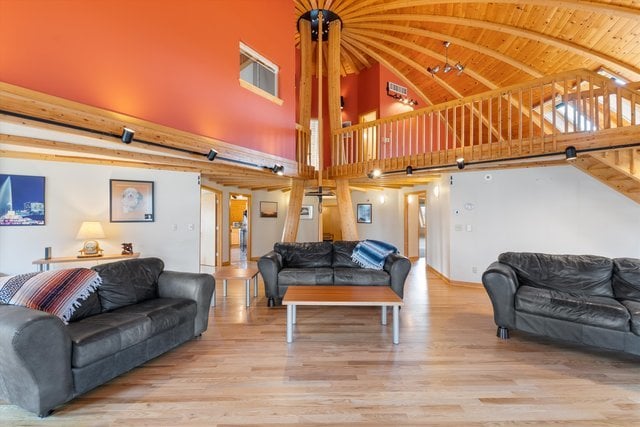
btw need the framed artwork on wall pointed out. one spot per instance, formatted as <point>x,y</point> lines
<point>268,209</point>
<point>306,212</point>
<point>363,213</point>
<point>130,201</point>
<point>21,200</point>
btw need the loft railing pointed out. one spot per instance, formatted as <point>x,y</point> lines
<point>527,119</point>
<point>303,151</point>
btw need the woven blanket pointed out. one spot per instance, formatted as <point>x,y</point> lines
<point>58,292</point>
<point>372,253</point>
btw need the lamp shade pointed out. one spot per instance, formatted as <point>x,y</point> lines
<point>90,230</point>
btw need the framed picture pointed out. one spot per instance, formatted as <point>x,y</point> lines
<point>364,213</point>
<point>21,200</point>
<point>130,201</point>
<point>269,209</point>
<point>306,212</point>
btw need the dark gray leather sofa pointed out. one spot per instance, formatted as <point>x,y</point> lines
<point>325,263</point>
<point>586,299</point>
<point>139,312</point>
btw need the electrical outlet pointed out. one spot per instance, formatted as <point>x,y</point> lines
<point>191,227</point>
<point>174,227</point>
<point>474,269</point>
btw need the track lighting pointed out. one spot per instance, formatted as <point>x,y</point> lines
<point>460,162</point>
<point>374,173</point>
<point>409,171</point>
<point>212,155</point>
<point>446,67</point>
<point>571,153</point>
<point>127,135</point>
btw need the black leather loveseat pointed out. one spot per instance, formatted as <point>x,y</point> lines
<point>325,263</point>
<point>587,299</point>
<point>138,312</point>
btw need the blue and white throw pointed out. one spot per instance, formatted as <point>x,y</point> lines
<point>372,253</point>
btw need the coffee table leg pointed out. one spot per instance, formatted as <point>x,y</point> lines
<point>396,324</point>
<point>213,298</point>
<point>255,285</point>
<point>224,288</point>
<point>247,288</point>
<point>384,315</point>
<point>290,309</point>
<point>295,314</point>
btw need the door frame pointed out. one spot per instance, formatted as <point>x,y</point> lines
<point>218,226</point>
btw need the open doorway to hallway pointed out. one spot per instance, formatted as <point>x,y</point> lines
<point>415,225</point>
<point>239,229</point>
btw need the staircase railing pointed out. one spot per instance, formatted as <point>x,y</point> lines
<point>537,117</point>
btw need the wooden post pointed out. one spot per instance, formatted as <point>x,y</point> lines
<point>320,121</point>
<point>290,231</point>
<point>345,207</point>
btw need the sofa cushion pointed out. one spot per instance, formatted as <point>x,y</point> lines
<point>128,282</point>
<point>342,251</point>
<point>96,337</point>
<point>634,311</point>
<point>305,255</point>
<point>598,311</point>
<point>305,276</point>
<point>89,307</point>
<point>165,313</point>
<point>360,276</point>
<point>626,278</point>
<point>578,274</point>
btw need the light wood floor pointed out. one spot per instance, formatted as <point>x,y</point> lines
<point>449,369</point>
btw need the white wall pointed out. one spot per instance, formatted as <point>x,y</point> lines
<point>550,210</point>
<point>77,192</point>
<point>438,254</point>
<point>387,216</point>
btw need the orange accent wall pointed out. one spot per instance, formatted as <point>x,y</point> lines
<point>170,62</point>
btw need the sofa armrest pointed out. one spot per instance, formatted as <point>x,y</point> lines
<point>501,284</point>
<point>398,267</point>
<point>198,287</point>
<point>269,266</point>
<point>35,359</point>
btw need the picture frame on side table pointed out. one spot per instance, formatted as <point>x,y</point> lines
<point>268,209</point>
<point>21,200</point>
<point>131,201</point>
<point>363,213</point>
<point>306,212</point>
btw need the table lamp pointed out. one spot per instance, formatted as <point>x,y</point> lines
<point>90,230</point>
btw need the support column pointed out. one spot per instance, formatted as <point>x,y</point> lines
<point>290,231</point>
<point>345,207</point>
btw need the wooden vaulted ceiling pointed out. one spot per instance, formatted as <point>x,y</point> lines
<point>500,43</point>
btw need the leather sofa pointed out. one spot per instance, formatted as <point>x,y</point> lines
<point>586,299</point>
<point>139,312</point>
<point>325,263</point>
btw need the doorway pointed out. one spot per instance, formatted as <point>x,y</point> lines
<point>239,229</point>
<point>210,226</point>
<point>415,225</point>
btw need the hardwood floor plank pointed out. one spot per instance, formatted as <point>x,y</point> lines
<point>448,370</point>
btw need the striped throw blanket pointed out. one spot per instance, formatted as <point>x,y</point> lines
<point>372,253</point>
<point>58,292</point>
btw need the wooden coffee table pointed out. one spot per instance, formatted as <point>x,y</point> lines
<point>238,273</point>
<point>343,295</point>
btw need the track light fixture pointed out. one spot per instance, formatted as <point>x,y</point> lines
<point>571,153</point>
<point>277,169</point>
<point>409,171</point>
<point>212,155</point>
<point>446,67</point>
<point>374,173</point>
<point>460,162</point>
<point>127,135</point>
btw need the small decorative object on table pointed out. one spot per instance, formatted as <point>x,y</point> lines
<point>127,248</point>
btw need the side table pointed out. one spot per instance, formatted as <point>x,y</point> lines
<point>238,273</point>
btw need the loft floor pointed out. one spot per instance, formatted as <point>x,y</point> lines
<point>449,369</point>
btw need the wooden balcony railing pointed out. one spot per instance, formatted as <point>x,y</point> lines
<point>542,116</point>
<point>303,152</point>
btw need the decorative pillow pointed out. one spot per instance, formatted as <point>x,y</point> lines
<point>372,253</point>
<point>58,292</point>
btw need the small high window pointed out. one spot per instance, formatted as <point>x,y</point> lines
<point>258,73</point>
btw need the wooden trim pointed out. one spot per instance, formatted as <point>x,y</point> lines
<point>466,284</point>
<point>261,92</point>
<point>218,231</point>
<point>437,273</point>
